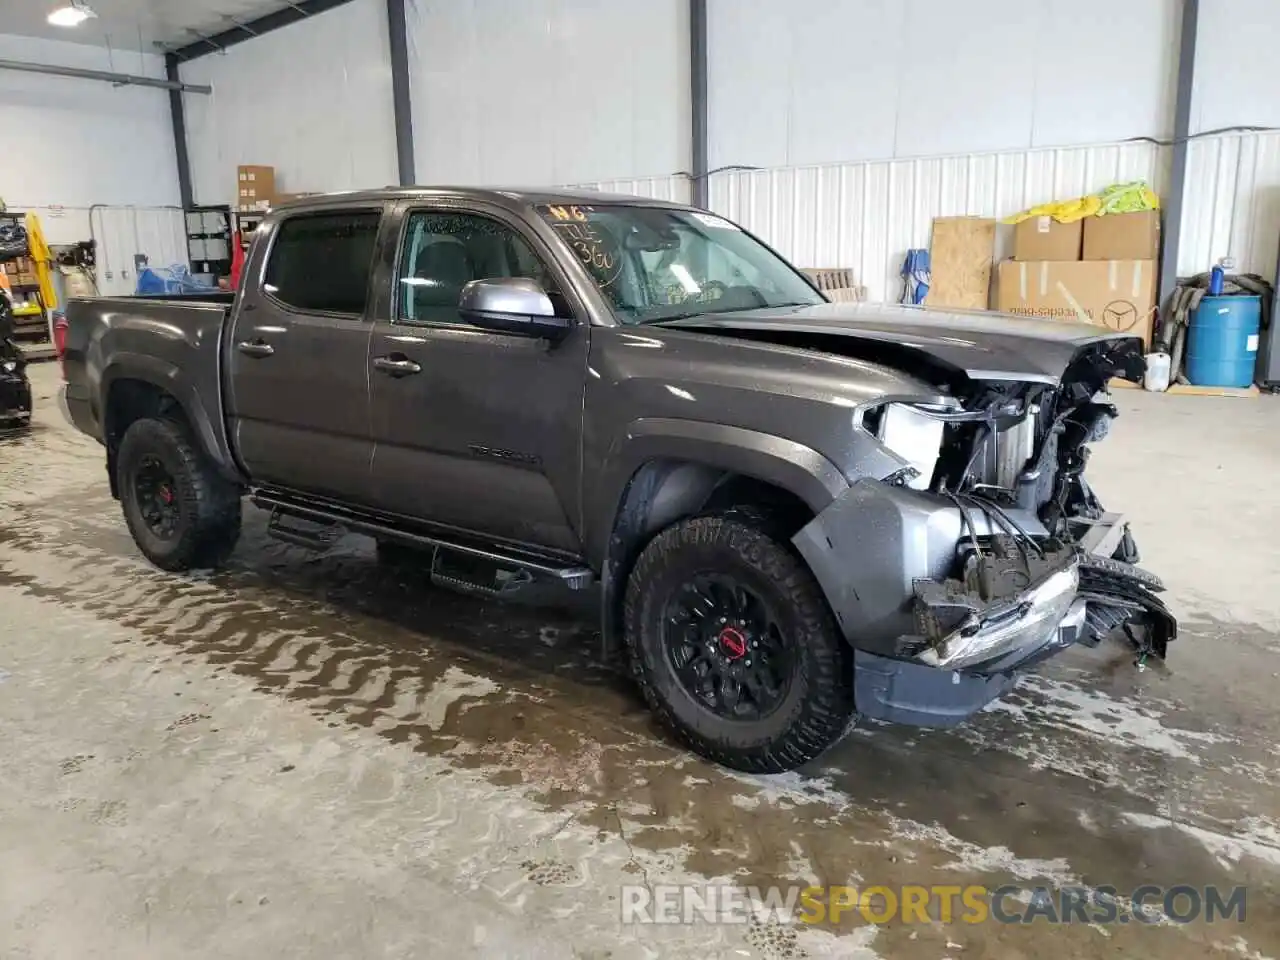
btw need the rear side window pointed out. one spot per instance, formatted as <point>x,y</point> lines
<point>321,261</point>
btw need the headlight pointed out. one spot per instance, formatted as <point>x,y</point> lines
<point>9,366</point>
<point>913,435</point>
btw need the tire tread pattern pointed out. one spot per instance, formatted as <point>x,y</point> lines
<point>213,501</point>
<point>820,717</point>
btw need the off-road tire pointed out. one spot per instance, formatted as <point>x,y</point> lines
<point>819,704</point>
<point>209,505</point>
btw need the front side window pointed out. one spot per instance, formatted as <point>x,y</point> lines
<point>321,261</point>
<point>446,251</point>
<point>655,263</point>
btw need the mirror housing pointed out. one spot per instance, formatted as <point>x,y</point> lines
<point>512,305</point>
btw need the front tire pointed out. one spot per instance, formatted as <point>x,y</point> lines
<point>181,512</point>
<point>734,646</point>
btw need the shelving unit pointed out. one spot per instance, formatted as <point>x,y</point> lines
<point>30,312</point>
<point>209,237</point>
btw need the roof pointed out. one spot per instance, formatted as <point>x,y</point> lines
<point>503,195</point>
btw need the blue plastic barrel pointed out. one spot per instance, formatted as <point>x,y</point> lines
<point>1222,341</point>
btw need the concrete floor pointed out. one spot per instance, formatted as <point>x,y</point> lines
<point>306,757</point>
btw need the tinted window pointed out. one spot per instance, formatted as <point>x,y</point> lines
<point>321,262</point>
<point>445,251</point>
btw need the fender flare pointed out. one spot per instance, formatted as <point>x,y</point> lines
<point>169,377</point>
<point>792,466</point>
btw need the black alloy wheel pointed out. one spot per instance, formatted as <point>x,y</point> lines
<point>156,497</point>
<point>727,648</point>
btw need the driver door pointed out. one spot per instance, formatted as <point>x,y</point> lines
<point>475,429</point>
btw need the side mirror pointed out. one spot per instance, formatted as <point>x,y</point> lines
<point>511,305</point>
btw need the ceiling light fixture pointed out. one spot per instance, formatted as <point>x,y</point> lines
<point>72,15</point>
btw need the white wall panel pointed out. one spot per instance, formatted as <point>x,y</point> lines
<point>120,232</point>
<point>312,99</point>
<point>1236,83</point>
<point>1232,203</point>
<point>537,92</point>
<point>822,81</point>
<point>867,215</point>
<point>80,142</point>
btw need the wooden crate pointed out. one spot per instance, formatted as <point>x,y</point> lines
<point>837,283</point>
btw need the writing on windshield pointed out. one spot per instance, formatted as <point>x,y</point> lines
<point>658,263</point>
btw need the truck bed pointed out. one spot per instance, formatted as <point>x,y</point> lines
<point>175,339</point>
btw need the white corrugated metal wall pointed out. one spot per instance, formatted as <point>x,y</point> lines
<point>866,215</point>
<point>312,99</point>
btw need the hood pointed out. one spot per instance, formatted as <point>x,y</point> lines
<point>985,346</point>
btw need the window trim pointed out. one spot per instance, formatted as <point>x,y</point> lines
<point>504,217</point>
<point>363,316</point>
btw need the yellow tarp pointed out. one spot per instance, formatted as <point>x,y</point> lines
<point>1117,198</point>
<point>43,257</point>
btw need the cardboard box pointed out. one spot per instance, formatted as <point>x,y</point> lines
<point>255,184</point>
<point>1118,294</point>
<point>1044,238</point>
<point>960,257</point>
<point>1123,236</point>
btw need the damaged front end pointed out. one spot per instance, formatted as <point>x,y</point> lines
<point>978,549</point>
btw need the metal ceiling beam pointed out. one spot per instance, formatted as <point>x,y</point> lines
<point>698,99</point>
<point>179,118</point>
<point>249,29</point>
<point>105,76</point>
<point>1171,239</point>
<point>398,42</point>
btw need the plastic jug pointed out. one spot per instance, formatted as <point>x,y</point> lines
<point>1156,378</point>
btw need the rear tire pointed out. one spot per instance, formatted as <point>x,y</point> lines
<point>181,512</point>
<point>808,688</point>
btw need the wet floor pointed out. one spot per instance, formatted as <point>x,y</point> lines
<point>312,755</point>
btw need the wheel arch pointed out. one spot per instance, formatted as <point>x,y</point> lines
<point>140,386</point>
<point>668,470</point>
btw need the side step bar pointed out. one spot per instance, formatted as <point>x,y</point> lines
<point>573,577</point>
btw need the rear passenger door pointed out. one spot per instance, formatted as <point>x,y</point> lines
<point>298,386</point>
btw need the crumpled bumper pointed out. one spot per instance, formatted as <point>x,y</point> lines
<point>928,650</point>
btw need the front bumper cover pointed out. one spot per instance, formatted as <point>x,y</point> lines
<point>928,649</point>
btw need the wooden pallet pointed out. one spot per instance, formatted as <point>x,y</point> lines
<point>1190,390</point>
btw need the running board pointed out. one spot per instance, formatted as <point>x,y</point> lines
<point>571,576</point>
<point>317,536</point>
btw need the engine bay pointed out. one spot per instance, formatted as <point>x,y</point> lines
<point>1011,457</point>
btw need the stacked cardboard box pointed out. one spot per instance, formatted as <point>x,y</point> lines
<point>21,271</point>
<point>1114,285</point>
<point>255,187</point>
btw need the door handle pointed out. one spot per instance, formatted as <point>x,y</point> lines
<point>255,348</point>
<point>396,365</point>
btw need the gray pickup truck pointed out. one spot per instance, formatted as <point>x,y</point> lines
<point>795,512</point>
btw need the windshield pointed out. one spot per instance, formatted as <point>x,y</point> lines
<point>653,263</point>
